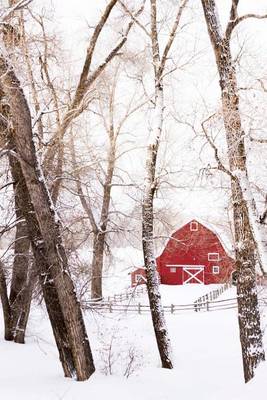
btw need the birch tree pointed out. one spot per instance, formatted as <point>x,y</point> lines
<point>243,203</point>
<point>159,65</point>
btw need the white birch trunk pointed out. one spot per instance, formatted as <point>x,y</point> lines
<point>157,313</point>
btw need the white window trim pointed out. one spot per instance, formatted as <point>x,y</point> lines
<point>193,226</point>
<point>213,257</point>
<point>173,270</point>
<point>215,269</point>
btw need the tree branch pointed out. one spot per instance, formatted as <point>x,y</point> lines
<point>221,167</point>
<point>18,6</point>
<point>171,37</point>
<point>232,24</point>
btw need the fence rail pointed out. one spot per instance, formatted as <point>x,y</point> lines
<point>127,295</point>
<point>139,308</point>
<point>211,296</point>
<point>204,303</point>
<point>204,306</point>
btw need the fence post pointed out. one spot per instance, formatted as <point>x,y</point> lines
<point>172,308</point>
<point>110,307</point>
<point>139,308</point>
<point>208,308</point>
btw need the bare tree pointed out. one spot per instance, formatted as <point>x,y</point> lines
<point>75,352</point>
<point>89,75</point>
<point>159,64</point>
<point>248,311</point>
<point>113,117</point>
<point>20,283</point>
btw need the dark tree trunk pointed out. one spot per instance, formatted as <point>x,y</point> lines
<point>100,234</point>
<point>248,310</point>
<point>5,304</point>
<point>57,285</point>
<point>23,276</point>
<point>97,266</point>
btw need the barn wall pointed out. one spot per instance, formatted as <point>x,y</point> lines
<point>191,248</point>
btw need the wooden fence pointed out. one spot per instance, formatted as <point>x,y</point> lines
<point>204,303</point>
<point>204,306</point>
<point>127,295</point>
<point>210,296</point>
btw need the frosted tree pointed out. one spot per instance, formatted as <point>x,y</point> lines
<point>159,66</point>
<point>43,226</point>
<point>96,200</point>
<point>244,211</point>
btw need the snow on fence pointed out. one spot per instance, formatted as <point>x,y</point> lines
<point>172,309</point>
<point>208,297</point>
<point>215,305</point>
<point>204,303</point>
<point>127,295</point>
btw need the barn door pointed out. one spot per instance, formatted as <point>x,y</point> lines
<point>193,274</point>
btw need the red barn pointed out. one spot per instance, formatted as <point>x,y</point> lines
<point>193,254</point>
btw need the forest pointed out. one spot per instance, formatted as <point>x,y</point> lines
<point>120,122</point>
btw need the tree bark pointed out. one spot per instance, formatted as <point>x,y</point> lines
<point>159,64</point>
<point>22,282</point>
<point>5,304</point>
<point>97,266</point>
<point>101,233</point>
<point>248,310</point>
<point>154,296</point>
<point>55,275</point>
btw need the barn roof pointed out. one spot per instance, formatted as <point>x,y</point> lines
<point>219,232</point>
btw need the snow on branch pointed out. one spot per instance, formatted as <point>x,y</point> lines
<point>18,6</point>
<point>221,167</point>
<point>232,24</point>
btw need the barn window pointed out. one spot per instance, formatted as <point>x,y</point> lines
<point>138,278</point>
<point>193,226</point>
<point>213,257</point>
<point>173,269</point>
<point>215,269</point>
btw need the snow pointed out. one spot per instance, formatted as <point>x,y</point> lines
<point>186,294</point>
<point>205,346</point>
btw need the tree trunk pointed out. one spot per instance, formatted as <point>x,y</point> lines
<point>248,310</point>
<point>55,276</point>
<point>50,293</point>
<point>154,296</point>
<point>97,266</point>
<point>22,282</point>
<point>5,304</point>
<point>100,234</point>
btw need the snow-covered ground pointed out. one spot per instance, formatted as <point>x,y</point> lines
<point>180,295</point>
<point>206,353</point>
